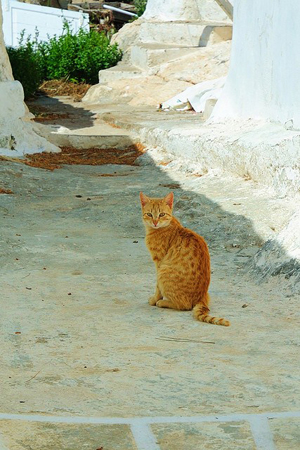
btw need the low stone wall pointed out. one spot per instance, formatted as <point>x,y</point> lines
<point>267,153</point>
<point>281,256</point>
<point>262,84</point>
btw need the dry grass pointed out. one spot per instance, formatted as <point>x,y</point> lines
<point>90,156</point>
<point>55,88</point>
<point>48,116</point>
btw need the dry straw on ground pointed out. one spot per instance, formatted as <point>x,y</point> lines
<point>74,156</point>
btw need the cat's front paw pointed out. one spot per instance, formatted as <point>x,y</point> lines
<point>152,300</point>
<point>160,303</point>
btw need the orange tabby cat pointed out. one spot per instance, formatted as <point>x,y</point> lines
<point>181,258</point>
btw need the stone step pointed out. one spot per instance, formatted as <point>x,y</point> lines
<point>145,56</point>
<point>82,141</point>
<point>184,34</point>
<point>99,134</point>
<point>119,72</point>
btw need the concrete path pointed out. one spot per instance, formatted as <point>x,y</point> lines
<point>86,363</point>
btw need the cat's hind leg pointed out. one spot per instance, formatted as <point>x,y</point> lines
<point>173,295</point>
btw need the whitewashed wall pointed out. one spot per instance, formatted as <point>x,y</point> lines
<point>19,16</point>
<point>5,68</point>
<point>263,79</point>
<point>17,136</point>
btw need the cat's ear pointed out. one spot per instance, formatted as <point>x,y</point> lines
<point>169,199</point>
<point>144,199</point>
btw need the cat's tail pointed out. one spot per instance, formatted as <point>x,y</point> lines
<point>200,312</point>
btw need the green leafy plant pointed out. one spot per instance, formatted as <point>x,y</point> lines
<point>27,65</point>
<point>77,57</point>
<point>140,6</point>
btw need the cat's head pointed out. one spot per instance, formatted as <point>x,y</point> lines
<point>157,212</point>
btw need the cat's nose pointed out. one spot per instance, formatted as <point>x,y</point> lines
<point>155,222</point>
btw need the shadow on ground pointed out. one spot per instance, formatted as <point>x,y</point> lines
<point>51,111</point>
<point>79,338</point>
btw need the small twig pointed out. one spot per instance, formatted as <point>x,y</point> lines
<point>27,381</point>
<point>166,338</point>
<point>28,275</point>
<point>8,158</point>
<point>68,365</point>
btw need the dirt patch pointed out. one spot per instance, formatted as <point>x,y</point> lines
<point>5,191</point>
<point>171,185</point>
<point>90,156</point>
<point>44,117</point>
<point>43,113</point>
<point>46,113</point>
<point>55,88</point>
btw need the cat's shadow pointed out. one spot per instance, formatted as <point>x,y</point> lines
<point>231,237</point>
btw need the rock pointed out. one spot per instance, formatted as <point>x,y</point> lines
<point>17,135</point>
<point>171,47</point>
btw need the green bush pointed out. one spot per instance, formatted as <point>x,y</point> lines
<point>27,66</point>
<point>75,57</point>
<point>140,6</point>
<point>78,57</point>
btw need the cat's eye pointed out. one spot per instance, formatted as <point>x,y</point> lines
<point>149,214</point>
<point>162,215</point>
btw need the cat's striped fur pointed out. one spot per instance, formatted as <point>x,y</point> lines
<point>181,258</point>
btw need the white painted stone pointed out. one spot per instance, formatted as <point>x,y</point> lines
<point>281,256</point>
<point>17,135</point>
<point>148,90</point>
<point>267,153</point>
<point>181,23</point>
<point>263,84</point>
<point>185,10</point>
<point>5,69</point>
<point>289,237</point>
<point>10,93</point>
<point>169,33</point>
<point>128,35</point>
<point>263,79</point>
<point>196,33</point>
